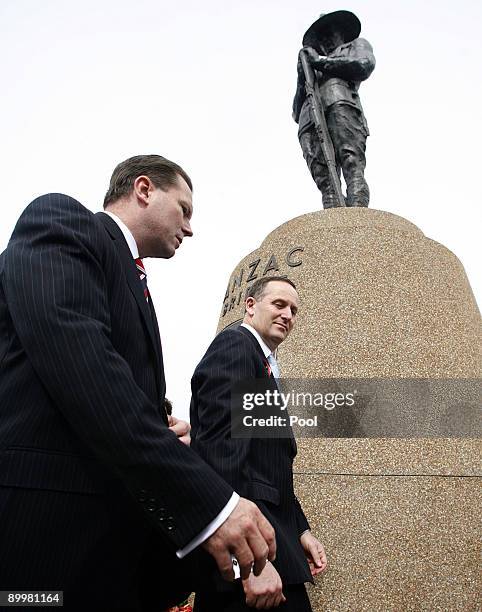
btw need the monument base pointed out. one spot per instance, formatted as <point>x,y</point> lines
<point>379,300</point>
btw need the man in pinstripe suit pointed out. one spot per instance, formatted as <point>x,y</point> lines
<point>97,494</point>
<point>260,469</point>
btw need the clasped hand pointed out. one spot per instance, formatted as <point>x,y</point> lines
<point>265,591</point>
<point>314,58</point>
<point>180,428</point>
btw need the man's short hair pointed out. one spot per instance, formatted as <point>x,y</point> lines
<point>162,172</point>
<point>258,288</point>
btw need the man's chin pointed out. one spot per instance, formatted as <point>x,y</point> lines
<point>278,336</point>
<point>169,251</point>
<point>164,254</point>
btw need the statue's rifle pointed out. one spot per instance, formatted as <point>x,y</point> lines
<point>321,127</point>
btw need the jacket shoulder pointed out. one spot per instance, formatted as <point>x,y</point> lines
<point>54,213</point>
<point>231,348</point>
<point>57,201</point>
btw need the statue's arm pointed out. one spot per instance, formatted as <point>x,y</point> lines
<point>356,66</point>
<point>300,93</point>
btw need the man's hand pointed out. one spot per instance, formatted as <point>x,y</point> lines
<point>315,59</point>
<point>248,536</point>
<point>264,591</point>
<point>180,428</point>
<point>315,553</point>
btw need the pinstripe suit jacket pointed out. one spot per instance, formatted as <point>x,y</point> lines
<point>259,469</point>
<point>81,395</point>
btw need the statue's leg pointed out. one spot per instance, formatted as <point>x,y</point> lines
<point>349,133</point>
<point>313,155</point>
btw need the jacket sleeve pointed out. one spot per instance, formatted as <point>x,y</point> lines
<point>228,360</point>
<point>356,66</point>
<point>301,519</point>
<point>55,286</point>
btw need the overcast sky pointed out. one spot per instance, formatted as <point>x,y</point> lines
<point>210,85</point>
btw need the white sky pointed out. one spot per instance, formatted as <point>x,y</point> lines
<point>210,85</point>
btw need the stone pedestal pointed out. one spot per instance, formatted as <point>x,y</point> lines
<point>399,517</point>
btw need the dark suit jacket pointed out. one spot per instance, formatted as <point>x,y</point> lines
<point>259,469</point>
<point>90,475</point>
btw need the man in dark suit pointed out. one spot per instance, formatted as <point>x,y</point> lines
<point>97,494</point>
<point>260,469</point>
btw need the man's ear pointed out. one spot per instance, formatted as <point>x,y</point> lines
<point>250,302</point>
<point>142,187</point>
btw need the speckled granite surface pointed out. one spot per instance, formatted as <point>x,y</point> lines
<point>400,518</point>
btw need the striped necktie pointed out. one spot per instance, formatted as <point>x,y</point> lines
<point>142,276</point>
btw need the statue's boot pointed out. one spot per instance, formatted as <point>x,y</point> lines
<point>323,183</point>
<point>357,191</point>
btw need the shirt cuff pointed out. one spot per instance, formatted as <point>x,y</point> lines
<point>211,528</point>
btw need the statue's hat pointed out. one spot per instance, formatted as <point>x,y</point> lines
<point>345,22</point>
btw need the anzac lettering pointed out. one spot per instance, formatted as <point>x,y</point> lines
<point>271,265</point>
<point>237,281</point>
<point>289,257</point>
<point>292,259</point>
<point>252,276</point>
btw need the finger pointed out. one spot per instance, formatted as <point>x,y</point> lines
<point>260,553</point>
<point>185,426</point>
<point>224,563</point>
<point>180,429</point>
<point>250,600</point>
<point>262,603</point>
<point>315,554</point>
<point>323,556</point>
<point>268,534</point>
<point>280,598</point>
<point>244,555</point>
<point>185,440</point>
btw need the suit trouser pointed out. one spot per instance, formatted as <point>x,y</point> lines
<point>348,131</point>
<point>234,601</point>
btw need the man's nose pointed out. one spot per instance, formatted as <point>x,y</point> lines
<point>186,229</point>
<point>287,314</point>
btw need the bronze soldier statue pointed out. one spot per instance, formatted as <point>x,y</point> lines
<point>339,61</point>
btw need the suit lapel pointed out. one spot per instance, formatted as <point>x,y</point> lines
<point>255,343</point>
<point>268,374</point>
<point>135,286</point>
<point>158,346</point>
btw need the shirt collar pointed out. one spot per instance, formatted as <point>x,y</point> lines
<point>264,347</point>
<point>131,243</point>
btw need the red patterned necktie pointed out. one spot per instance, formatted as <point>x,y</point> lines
<point>142,276</point>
